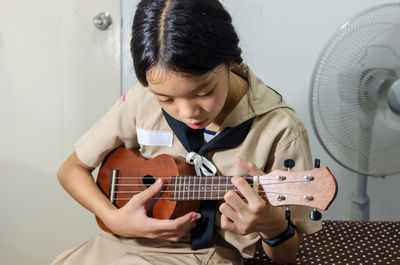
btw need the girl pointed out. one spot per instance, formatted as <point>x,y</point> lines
<point>196,99</point>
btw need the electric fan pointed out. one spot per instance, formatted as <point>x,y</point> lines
<point>355,97</point>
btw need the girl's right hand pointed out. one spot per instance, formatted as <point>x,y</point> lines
<point>131,220</point>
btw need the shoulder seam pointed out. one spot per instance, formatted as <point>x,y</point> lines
<point>298,129</point>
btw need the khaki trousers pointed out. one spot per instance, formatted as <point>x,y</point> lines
<point>107,249</point>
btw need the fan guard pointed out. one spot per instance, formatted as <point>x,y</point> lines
<point>353,79</point>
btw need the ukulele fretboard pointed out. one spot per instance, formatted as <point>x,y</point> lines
<point>186,188</point>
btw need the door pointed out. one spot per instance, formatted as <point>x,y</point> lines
<point>58,75</point>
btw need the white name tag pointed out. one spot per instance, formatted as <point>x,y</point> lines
<point>154,138</point>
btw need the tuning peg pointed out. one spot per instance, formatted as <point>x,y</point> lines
<point>287,213</point>
<point>317,163</point>
<point>289,163</point>
<point>315,215</point>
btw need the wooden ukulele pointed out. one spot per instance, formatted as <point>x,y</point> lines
<point>125,173</point>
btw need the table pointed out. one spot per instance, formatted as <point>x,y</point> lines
<point>346,242</point>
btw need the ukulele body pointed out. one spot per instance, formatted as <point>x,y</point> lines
<point>135,174</point>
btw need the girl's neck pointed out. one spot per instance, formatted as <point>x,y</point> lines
<point>237,89</point>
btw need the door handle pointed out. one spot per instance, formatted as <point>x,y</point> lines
<point>102,20</point>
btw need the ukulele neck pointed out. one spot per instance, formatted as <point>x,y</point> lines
<point>186,188</point>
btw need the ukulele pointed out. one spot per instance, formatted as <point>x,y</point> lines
<point>125,173</point>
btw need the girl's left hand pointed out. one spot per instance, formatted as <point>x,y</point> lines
<point>254,214</point>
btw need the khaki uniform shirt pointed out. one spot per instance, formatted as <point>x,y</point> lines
<point>276,134</point>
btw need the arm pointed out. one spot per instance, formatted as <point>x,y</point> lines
<point>130,220</point>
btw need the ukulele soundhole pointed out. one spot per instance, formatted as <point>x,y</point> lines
<point>148,180</point>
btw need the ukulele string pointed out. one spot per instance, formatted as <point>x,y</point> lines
<point>194,193</point>
<point>191,192</point>
<point>187,198</point>
<point>215,184</point>
<point>196,178</point>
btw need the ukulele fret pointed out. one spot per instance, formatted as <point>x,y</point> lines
<point>194,187</point>
<point>210,187</point>
<point>184,188</point>
<point>201,187</point>
<point>214,189</point>
<point>177,188</point>
<point>188,190</point>
<point>219,185</point>
<point>207,188</point>
<point>180,187</point>
<point>226,185</point>
<point>173,185</point>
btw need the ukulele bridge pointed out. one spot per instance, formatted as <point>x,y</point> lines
<point>114,176</point>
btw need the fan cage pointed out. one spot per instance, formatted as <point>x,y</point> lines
<point>353,122</point>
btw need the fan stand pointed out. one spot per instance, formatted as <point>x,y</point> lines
<point>359,199</point>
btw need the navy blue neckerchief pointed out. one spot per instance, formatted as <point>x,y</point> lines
<point>193,141</point>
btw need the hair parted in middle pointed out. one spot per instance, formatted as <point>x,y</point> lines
<point>187,36</point>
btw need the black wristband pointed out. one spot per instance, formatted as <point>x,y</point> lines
<point>290,231</point>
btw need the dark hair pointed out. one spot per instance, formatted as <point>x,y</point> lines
<point>188,36</point>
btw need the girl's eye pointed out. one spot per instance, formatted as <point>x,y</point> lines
<point>166,100</point>
<point>206,94</point>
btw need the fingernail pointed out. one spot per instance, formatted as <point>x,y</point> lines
<point>195,217</point>
<point>158,182</point>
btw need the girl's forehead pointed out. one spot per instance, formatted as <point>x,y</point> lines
<point>176,86</point>
<point>158,74</point>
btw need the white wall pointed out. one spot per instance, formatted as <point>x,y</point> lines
<point>281,41</point>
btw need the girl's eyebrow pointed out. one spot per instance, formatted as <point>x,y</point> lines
<point>197,89</point>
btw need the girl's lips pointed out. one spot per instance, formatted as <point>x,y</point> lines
<point>197,125</point>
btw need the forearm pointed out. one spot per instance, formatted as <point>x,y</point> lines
<point>285,252</point>
<point>77,180</point>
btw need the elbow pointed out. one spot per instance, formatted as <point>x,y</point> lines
<point>64,169</point>
<point>72,168</point>
<point>60,174</point>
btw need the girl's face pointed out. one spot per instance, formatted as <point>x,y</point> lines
<point>194,100</point>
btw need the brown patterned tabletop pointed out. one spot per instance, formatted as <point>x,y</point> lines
<point>346,242</point>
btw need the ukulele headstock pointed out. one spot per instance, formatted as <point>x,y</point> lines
<point>316,188</point>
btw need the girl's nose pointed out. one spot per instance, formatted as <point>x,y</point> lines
<point>188,110</point>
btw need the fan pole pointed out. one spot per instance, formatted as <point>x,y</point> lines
<point>359,200</point>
